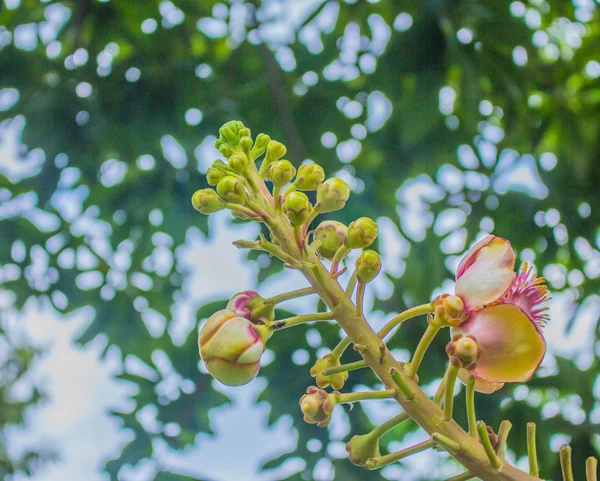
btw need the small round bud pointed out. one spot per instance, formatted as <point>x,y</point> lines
<point>361,233</point>
<point>317,406</point>
<point>206,201</point>
<point>244,132</point>
<point>228,134</point>
<point>332,235</point>
<point>297,208</point>
<point>246,143</point>
<point>232,190</point>
<point>362,448</point>
<point>231,347</point>
<point>281,172</point>
<point>368,266</point>
<point>336,381</point>
<point>252,306</point>
<point>239,162</point>
<point>310,177</point>
<point>333,194</point>
<point>275,150</point>
<point>215,173</point>
<point>226,150</point>
<point>449,311</point>
<point>463,351</point>
<point>260,145</point>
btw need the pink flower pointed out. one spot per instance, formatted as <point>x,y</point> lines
<point>505,314</point>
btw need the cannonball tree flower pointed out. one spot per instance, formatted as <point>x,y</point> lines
<point>504,314</point>
<point>231,347</point>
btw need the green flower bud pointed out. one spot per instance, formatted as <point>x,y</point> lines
<point>262,140</point>
<point>368,266</point>
<point>275,150</point>
<point>336,381</point>
<point>215,174</point>
<point>310,177</point>
<point>231,347</point>
<point>281,172</point>
<point>361,233</point>
<point>362,448</point>
<point>333,194</point>
<point>232,190</point>
<point>226,150</point>
<point>246,143</point>
<point>297,208</point>
<point>245,132</point>
<point>206,201</point>
<point>449,311</point>
<point>239,162</point>
<point>463,351</point>
<point>332,235</point>
<point>229,135</point>
<point>317,406</point>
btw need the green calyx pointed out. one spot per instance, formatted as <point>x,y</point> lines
<point>363,447</point>
<point>239,161</point>
<point>297,208</point>
<point>362,233</point>
<point>332,235</point>
<point>332,194</point>
<point>261,310</point>
<point>281,172</point>
<point>336,381</point>
<point>206,201</point>
<point>368,265</point>
<point>232,190</point>
<point>310,177</point>
<point>463,351</point>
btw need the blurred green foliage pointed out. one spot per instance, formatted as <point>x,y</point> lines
<point>477,100</point>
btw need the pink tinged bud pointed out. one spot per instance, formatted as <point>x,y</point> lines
<point>512,345</point>
<point>485,272</point>
<point>231,348</point>
<point>239,303</point>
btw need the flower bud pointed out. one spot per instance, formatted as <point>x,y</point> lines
<point>206,201</point>
<point>229,135</point>
<point>281,172</point>
<point>362,448</point>
<point>310,177</point>
<point>226,150</point>
<point>332,235</point>
<point>361,233</point>
<point>449,311</point>
<point>336,381</point>
<point>317,406</point>
<point>297,208</point>
<point>252,306</point>
<point>231,347</point>
<point>275,150</point>
<point>463,351</point>
<point>260,145</point>
<point>332,194</point>
<point>232,190</point>
<point>245,132</point>
<point>216,172</point>
<point>246,143</point>
<point>239,162</point>
<point>368,266</point>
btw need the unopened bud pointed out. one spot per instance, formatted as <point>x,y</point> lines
<point>275,150</point>
<point>252,306</point>
<point>463,351</point>
<point>362,448</point>
<point>206,201</point>
<point>260,145</point>
<point>332,194</point>
<point>368,266</point>
<point>231,347</point>
<point>297,208</point>
<point>361,233</point>
<point>216,172</point>
<point>239,162</point>
<point>317,406</point>
<point>449,311</point>
<point>332,235</point>
<point>310,177</point>
<point>246,143</point>
<point>226,150</point>
<point>281,172</point>
<point>229,135</point>
<point>245,132</point>
<point>336,381</point>
<point>232,190</point>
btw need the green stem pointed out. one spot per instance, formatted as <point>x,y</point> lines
<point>294,321</point>
<point>461,477</point>
<point>405,316</point>
<point>503,432</point>
<point>342,252</point>
<point>487,444</point>
<point>264,245</point>
<point>439,394</point>
<point>351,366</point>
<point>360,298</point>
<point>350,397</point>
<point>422,349</point>
<point>391,423</point>
<point>565,462</point>
<point>452,374</point>
<point>286,296</point>
<point>471,417</point>
<point>402,384</point>
<point>532,450</point>
<point>341,347</point>
<point>381,461</point>
<point>352,284</point>
<point>277,199</point>
<point>445,442</point>
<point>591,469</point>
<point>288,190</point>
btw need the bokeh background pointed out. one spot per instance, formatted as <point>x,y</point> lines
<point>450,119</point>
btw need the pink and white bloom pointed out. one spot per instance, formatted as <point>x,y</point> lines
<point>504,312</point>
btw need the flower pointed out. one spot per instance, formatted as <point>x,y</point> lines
<point>317,406</point>
<point>231,347</point>
<point>504,314</point>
